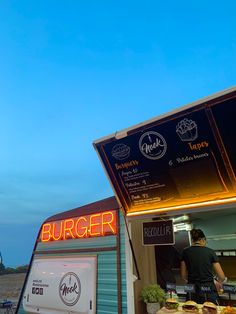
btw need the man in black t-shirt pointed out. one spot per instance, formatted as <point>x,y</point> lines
<point>197,265</point>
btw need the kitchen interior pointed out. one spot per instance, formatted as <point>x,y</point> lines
<point>160,264</point>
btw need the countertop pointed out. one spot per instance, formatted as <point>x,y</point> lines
<point>163,310</point>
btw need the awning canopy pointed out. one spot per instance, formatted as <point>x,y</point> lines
<point>182,160</point>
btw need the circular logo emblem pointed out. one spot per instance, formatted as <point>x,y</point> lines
<point>70,289</point>
<point>120,151</point>
<point>152,145</point>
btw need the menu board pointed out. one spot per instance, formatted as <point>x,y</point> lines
<point>158,232</point>
<point>224,115</point>
<point>175,161</point>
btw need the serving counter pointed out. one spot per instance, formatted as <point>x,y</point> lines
<point>220,309</point>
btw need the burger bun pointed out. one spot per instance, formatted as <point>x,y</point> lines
<point>209,308</point>
<point>171,305</point>
<point>190,307</point>
<point>210,304</point>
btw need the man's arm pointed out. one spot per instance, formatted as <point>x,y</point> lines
<point>219,272</point>
<point>183,271</point>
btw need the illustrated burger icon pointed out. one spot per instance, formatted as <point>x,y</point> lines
<point>190,306</point>
<point>209,308</point>
<point>172,304</point>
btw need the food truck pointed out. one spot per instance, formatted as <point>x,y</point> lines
<point>168,174</point>
<point>79,263</point>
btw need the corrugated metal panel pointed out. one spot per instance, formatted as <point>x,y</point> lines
<point>105,242</point>
<point>107,283</point>
<point>107,301</point>
<point>123,264</point>
<point>21,310</point>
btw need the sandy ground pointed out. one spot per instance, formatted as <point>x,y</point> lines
<point>10,288</point>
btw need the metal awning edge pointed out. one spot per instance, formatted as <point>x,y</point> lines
<point>123,132</point>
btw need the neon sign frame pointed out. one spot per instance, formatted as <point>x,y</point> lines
<point>86,226</point>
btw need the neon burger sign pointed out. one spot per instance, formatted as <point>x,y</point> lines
<point>87,226</point>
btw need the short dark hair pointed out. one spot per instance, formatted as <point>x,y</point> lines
<point>197,234</point>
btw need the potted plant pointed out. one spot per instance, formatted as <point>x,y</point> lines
<point>153,295</point>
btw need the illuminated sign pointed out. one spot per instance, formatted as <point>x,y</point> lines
<point>183,161</point>
<point>87,226</point>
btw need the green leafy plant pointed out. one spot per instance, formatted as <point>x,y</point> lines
<point>153,294</point>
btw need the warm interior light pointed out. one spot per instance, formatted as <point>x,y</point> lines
<point>181,207</point>
<point>182,226</point>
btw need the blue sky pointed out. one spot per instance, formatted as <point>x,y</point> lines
<point>74,71</point>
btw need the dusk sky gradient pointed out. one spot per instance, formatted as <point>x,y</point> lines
<point>73,71</point>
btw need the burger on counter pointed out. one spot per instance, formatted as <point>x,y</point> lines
<point>190,306</point>
<point>209,308</point>
<point>172,304</point>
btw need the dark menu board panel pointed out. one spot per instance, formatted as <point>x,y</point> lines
<point>224,115</point>
<point>173,162</point>
<point>158,233</point>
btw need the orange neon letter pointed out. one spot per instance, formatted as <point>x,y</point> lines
<point>56,234</point>
<point>78,228</point>
<point>109,222</point>
<point>68,226</point>
<point>94,225</point>
<point>46,233</point>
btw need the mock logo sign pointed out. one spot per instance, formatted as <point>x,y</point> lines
<point>152,145</point>
<point>120,151</point>
<point>70,289</point>
<point>187,130</point>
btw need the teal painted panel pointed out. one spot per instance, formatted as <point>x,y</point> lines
<point>107,283</point>
<point>107,279</point>
<point>105,242</point>
<point>21,310</point>
<point>123,265</point>
<point>107,258</point>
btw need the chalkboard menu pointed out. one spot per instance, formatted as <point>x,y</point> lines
<point>189,288</point>
<point>229,288</point>
<point>171,287</point>
<point>183,159</point>
<point>206,289</point>
<point>158,233</point>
